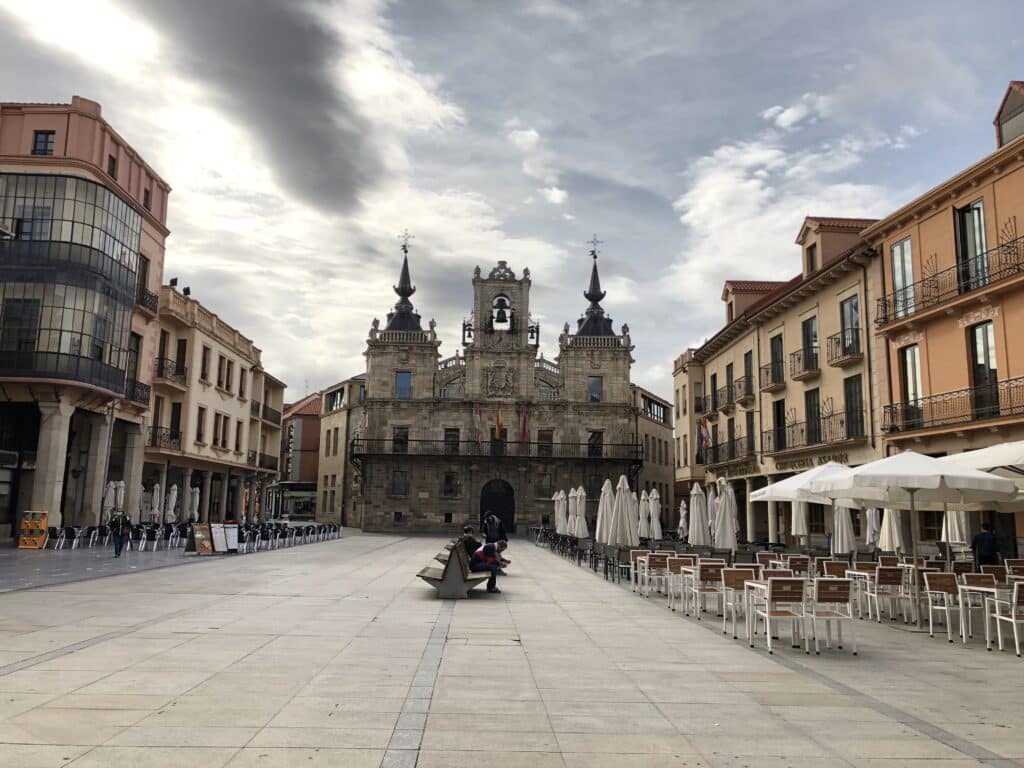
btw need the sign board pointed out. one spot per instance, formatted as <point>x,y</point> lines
<point>218,538</point>
<point>231,536</point>
<point>32,533</point>
<point>204,544</point>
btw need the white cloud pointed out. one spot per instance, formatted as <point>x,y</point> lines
<point>808,109</point>
<point>537,162</point>
<point>555,195</point>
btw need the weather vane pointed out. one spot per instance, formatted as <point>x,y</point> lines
<point>405,237</point>
<point>593,243</point>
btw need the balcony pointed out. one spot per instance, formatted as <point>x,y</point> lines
<point>272,415</point>
<point>803,364</point>
<point>773,376</point>
<point>996,265</point>
<point>267,461</point>
<point>991,401</point>
<point>255,408</point>
<point>137,392</point>
<point>844,348</point>
<point>710,406</point>
<point>170,372</point>
<point>164,438</point>
<point>839,427</point>
<point>737,449</point>
<point>726,398</point>
<point>251,458</point>
<point>146,300</point>
<point>362,447</point>
<point>743,390</point>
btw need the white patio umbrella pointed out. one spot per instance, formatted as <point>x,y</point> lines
<point>655,500</point>
<point>727,521</point>
<point>644,529</point>
<point>954,527</point>
<point>798,487</point>
<point>172,499</point>
<point>700,529</point>
<point>109,500</point>
<point>195,505</point>
<point>801,527</point>
<point>620,533</point>
<point>712,509</point>
<point>561,505</point>
<point>155,504</point>
<point>605,508</point>
<point>582,529</point>
<point>119,494</point>
<point>913,480</point>
<point>684,520</point>
<point>1005,460</point>
<point>843,540</point>
<point>891,537</point>
<point>872,527</point>
<point>554,508</point>
<point>634,519</point>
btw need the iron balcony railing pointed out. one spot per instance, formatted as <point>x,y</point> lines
<point>743,388</point>
<point>999,263</point>
<point>803,362</point>
<point>773,375</point>
<point>737,449</point>
<point>170,370</point>
<point>495,448</point>
<point>725,397</point>
<point>272,415</point>
<point>162,437</point>
<point>989,401</point>
<point>268,461</point>
<point>137,392</point>
<point>844,345</point>
<point>251,458</point>
<point>831,428</point>
<point>146,299</point>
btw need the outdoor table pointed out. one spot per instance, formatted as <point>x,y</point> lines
<point>860,580</point>
<point>987,593</point>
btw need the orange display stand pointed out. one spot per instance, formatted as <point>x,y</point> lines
<point>32,532</point>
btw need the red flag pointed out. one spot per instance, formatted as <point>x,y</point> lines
<point>476,424</point>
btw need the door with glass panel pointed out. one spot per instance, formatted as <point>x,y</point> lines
<point>812,415</point>
<point>971,259</point>
<point>902,279</point>
<point>849,318</point>
<point>809,337</point>
<point>910,386</point>
<point>984,373</point>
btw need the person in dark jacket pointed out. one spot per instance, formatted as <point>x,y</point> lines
<point>494,529</point>
<point>985,546</point>
<point>470,542</point>
<point>487,559</point>
<point>120,529</point>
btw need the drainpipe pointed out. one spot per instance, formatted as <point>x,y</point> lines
<point>868,346</point>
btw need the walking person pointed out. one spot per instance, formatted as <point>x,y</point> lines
<point>487,559</point>
<point>494,529</point>
<point>985,546</point>
<point>120,528</point>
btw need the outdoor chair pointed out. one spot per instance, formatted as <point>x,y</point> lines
<point>103,534</point>
<point>707,581</point>
<point>725,555</point>
<point>799,564</point>
<point>89,537</point>
<point>634,566</point>
<point>960,567</point>
<point>765,557</point>
<point>655,573</point>
<point>785,602</point>
<point>832,603</point>
<point>1014,566</point>
<point>889,585</point>
<point>675,579</point>
<point>152,538</point>
<point>73,535</point>
<point>1008,612</point>
<point>999,571</point>
<point>888,561</point>
<point>733,594</point>
<point>975,600</point>
<point>941,594</point>
<point>836,569</point>
<point>917,562</point>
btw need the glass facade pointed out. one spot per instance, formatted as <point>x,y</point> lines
<point>67,280</point>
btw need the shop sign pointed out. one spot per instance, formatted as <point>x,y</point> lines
<point>808,462</point>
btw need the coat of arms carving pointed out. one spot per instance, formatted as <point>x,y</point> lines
<point>499,380</point>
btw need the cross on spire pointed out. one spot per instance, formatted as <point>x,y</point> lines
<point>593,243</point>
<point>404,238</point>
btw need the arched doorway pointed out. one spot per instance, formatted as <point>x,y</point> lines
<point>498,497</point>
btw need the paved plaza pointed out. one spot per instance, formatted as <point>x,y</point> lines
<point>334,654</point>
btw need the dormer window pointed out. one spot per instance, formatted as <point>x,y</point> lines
<point>730,312</point>
<point>501,313</point>
<point>812,258</point>
<point>1010,117</point>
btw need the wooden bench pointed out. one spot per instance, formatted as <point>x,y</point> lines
<point>454,580</point>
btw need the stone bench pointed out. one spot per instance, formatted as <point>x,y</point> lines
<point>454,580</point>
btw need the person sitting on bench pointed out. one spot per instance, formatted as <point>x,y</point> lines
<point>469,541</point>
<point>487,559</point>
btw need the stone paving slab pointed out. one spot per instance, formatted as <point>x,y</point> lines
<point>334,654</point>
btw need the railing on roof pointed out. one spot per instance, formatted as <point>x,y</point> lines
<point>496,449</point>
<point>596,342</point>
<point>409,337</point>
<point>546,365</point>
<point>455,361</point>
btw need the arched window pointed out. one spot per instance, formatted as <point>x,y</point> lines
<point>501,313</point>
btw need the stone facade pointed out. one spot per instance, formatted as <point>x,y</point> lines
<point>435,442</point>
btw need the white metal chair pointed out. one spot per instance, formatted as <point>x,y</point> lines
<point>1008,612</point>
<point>733,594</point>
<point>784,603</point>
<point>707,581</point>
<point>654,574</point>
<point>942,595</point>
<point>889,586</point>
<point>832,603</point>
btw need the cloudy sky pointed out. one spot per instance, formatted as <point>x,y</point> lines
<point>693,137</point>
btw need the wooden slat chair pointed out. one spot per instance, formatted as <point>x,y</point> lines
<point>1008,612</point>
<point>454,581</point>
<point>960,567</point>
<point>831,602</point>
<point>974,600</point>
<point>888,561</point>
<point>942,595</point>
<point>765,557</point>
<point>707,581</point>
<point>634,566</point>
<point>890,586</point>
<point>915,561</point>
<point>674,577</point>
<point>733,594</point>
<point>784,603</point>
<point>655,573</point>
<point>836,569</point>
<point>799,564</point>
<point>999,571</point>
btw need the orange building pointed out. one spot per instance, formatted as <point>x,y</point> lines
<point>950,309</point>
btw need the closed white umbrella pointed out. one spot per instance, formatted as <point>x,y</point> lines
<point>109,500</point>
<point>619,534</point>
<point>195,505</point>
<point>727,520</point>
<point>954,527</point>
<point>700,529</point>
<point>655,500</point>
<point>891,537</point>
<point>843,540</point>
<point>155,506</point>
<point>561,508</point>
<point>554,508</point>
<point>634,519</point>
<point>644,528</point>
<point>582,529</point>
<point>872,527</point>
<point>684,520</point>
<point>605,509</point>
<point>712,509</point>
<point>800,515</point>
<point>119,494</point>
<point>172,499</point>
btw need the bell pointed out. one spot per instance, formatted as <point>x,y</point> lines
<point>501,317</point>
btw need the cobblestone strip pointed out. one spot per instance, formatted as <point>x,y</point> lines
<point>404,748</point>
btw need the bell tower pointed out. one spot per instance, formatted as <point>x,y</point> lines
<point>500,340</point>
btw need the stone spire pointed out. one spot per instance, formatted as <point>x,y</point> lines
<point>594,322</point>
<point>404,318</point>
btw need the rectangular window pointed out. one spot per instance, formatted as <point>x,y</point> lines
<point>19,325</point>
<point>595,443</point>
<point>399,439</point>
<point>158,411</point>
<point>111,166</point>
<point>730,436</point>
<point>147,201</point>
<point>450,485</point>
<point>238,437</point>
<point>849,319</point>
<point>729,381</point>
<point>225,428</point>
<point>399,482</point>
<point>809,337</point>
<point>750,431</point>
<point>812,414</point>
<point>715,452</point>
<point>853,401</point>
<point>910,385</point>
<point>362,392</point>
<point>812,257</point>
<point>42,142</point>
<point>204,365</point>
<point>777,370</point>
<point>229,376</point>
<point>222,365</point>
<point>336,433</point>
<point>778,425</point>
<point>971,259</point>
<point>330,502</point>
<point>595,389</point>
<point>931,525</point>
<point>216,428</point>
<point>748,366</point>
<point>451,441</point>
<point>334,480</point>
<point>902,278</point>
<point>714,391</point>
<point>403,385</point>
<point>498,441</point>
<point>984,371</point>
<point>241,383</point>
<point>201,425</point>
<point>816,518</point>
<point>546,442</point>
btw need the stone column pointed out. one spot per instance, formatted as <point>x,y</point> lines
<point>51,457</point>
<point>100,425</point>
<point>750,510</point>
<point>134,458</point>
<point>163,492</point>
<point>185,494</point>
<point>224,494</point>
<point>204,501</point>
<point>773,521</point>
<point>239,490</point>
<point>250,502</point>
